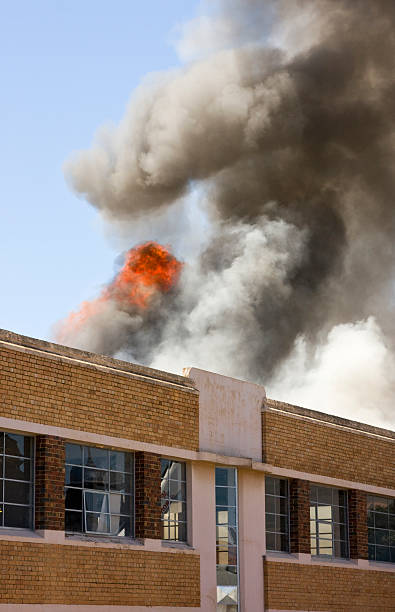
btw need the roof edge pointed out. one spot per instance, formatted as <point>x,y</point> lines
<point>93,358</point>
<point>328,418</point>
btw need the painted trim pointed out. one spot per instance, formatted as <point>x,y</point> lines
<point>317,421</point>
<point>90,608</point>
<point>49,536</point>
<point>320,479</point>
<point>305,559</point>
<point>75,435</point>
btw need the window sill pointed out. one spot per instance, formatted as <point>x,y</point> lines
<point>178,545</point>
<point>102,538</point>
<point>13,532</point>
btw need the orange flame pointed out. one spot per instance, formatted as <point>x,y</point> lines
<point>148,269</point>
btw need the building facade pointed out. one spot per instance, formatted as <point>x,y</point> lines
<point>127,488</point>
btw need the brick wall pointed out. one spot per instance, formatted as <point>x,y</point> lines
<point>358,524</point>
<point>292,586</point>
<point>317,448</point>
<point>299,506</point>
<point>147,491</point>
<point>63,574</point>
<point>49,483</point>
<point>45,388</point>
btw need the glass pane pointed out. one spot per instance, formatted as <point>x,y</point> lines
<point>381,504</point>
<point>392,554</point>
<point>226,575</point>
<point>338,514</point>
<point>226,516</point>
<point>227,556</point>
<point>342,498</point>
<point>95,479</point>
<point>98,523</point>
<point>340,532</point>
<point>313,493</point>
<point>74,454</point>
<point>1,467</point>
<point>324,495</point>
<point>391,521</point>
<point>371,552</point>
<point>382,553</point>
<point>73,476</point>
<point>370,519</point>
<point>313,527</point>
<point>225,497</point>
<point>281,524</point>
<point>164,467</point>
<point>370,500</point>
<point>164,487</point>
<point>73,521</point>
<point>270,522</point>
<point>284,542</point>
<point>177,490</point>
<point>17,445</point>
<point>313,512</point>
<point>269,485</point>
<point>96,502</point>
<point>177,531</point>
<point>96,457</point>
<point>177,470</point>
<point>382,537</point>
<point>1,492</point>
<point>120,462</point>
<point>17,469</point>
<point>283,487</point>
<point>381,520</point>
<point>17,516</point>
<point>270,541</point>
<point>340,549</point>
<point>226,535</point>
<point>324,512</point>
<point>177,511</point>
<point>1,515</point>
<point>1,442</point>
<point>325,547</point>
<point>391,506</point>
<point>120,482</point>
<point>324,529</point>
<point>371,538</point>
<point>17,492</point>
<point>120,525</point>
<point>275,505</point>
<point>119,504</point>
<point>73,499</point>
<point>225,477</point>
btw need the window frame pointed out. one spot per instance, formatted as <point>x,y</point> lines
<point>107,492</point>
<point>372,499</point>
<point>31,481</point>
<point>275,514</point>
<point>324,521</point>
<point>167,498</point>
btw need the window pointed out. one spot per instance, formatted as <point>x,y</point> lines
<point>227,553</point>
<point>381,528</point>
<point>277,514</point>
<point>99,490</point>
<point>16,480</point>
<point>328,522</point>
<point>173,500</point>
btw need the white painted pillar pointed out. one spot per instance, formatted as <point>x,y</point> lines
<point>252,541</point>
<point>203,536</point>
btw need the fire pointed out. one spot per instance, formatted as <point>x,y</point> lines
<point>149,269</point>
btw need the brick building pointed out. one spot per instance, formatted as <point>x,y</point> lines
<point>127,488</point>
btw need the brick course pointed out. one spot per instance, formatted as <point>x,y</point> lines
<point>319,448</point>
<point>293,586</point>
<point>47,389</point>
<point>299,506</point>
<point>148,501</point>
<point>72,574</point>
<point>49,483</point>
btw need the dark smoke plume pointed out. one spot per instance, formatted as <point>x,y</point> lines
<point>284,123</point>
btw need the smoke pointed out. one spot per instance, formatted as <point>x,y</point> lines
<point>281,126</point>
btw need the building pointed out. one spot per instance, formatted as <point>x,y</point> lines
<point>126,488</point>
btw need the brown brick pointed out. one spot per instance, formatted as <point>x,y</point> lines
<point>49,483</point>
<point>299,504</point>
<point>147,491</point>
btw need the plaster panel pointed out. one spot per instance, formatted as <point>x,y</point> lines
<point>229,414</point>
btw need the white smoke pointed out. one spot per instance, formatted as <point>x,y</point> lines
<point>350,374</point>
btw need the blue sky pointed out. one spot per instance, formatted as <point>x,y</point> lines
<point>66,68</point>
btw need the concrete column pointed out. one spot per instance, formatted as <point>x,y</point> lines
<point>201,514</point>
<point>251,539</point>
